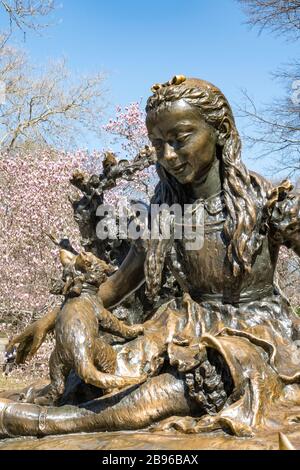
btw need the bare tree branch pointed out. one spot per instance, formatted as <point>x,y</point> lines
<point>46,107</point>
<point>274,129</point>
<point>27,14</point>
<point>278,16</point>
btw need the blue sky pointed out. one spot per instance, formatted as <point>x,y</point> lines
<point>139,43</point>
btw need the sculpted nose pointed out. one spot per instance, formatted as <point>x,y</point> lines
<point>169,152</point>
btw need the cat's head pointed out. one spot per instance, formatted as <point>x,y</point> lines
<point>87,266</point>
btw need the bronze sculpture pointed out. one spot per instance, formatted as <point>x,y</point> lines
<point>223,356</point>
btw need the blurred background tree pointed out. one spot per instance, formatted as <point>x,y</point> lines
<point>26,15</point>
<point>46,107</point>
<point>44,118</point>
<point>275,128</point>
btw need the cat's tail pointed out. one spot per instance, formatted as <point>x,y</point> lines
<point>91,375</point>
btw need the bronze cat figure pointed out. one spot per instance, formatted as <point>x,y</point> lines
<point>78,344</point>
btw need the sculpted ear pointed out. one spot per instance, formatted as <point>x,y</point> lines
<point>224,131</point>
<point>84,261</point>
<point>66,257</point>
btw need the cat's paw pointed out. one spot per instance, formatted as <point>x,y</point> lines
<point>136,330</point>
<point>39,396</point>
<point>44,400</point>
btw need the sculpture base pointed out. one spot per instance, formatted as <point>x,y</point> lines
<point>149,441</point>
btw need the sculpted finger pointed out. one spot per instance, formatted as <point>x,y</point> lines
<point>22,352</point>
<point>15,340</point>
<point>36,343</point>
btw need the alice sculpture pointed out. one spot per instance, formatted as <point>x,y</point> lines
<point>223,356</point>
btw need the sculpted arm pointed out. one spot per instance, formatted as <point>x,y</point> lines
<point>126,280</point>
<point>33,336</point>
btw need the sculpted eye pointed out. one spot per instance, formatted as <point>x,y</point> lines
<point>183,137</point>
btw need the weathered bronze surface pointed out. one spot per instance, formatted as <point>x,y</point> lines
<point>222,359</point>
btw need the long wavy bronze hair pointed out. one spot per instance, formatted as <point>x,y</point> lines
<point>248,198</point>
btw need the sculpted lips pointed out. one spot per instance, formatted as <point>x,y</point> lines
<point>179,168</point>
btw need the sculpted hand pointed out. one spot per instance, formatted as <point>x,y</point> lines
<point>32,337</point>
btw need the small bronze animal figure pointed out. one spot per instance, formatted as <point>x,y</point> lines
<point>78,345</point>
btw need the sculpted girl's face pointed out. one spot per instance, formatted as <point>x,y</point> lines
<point>184,143</point>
